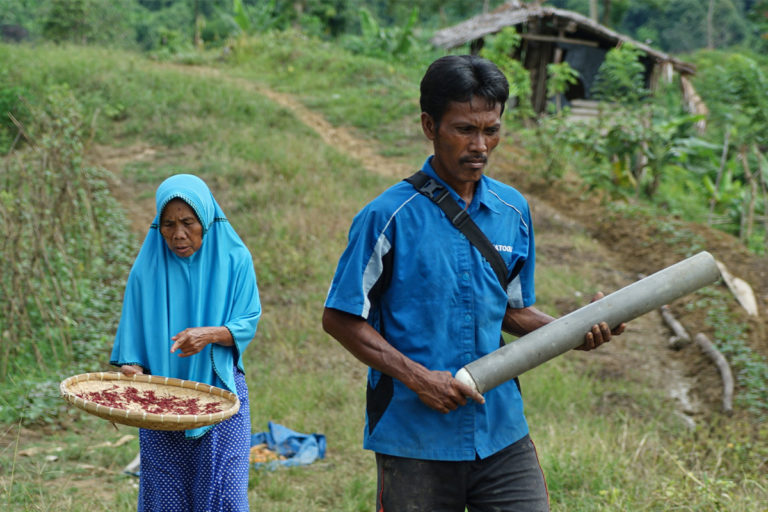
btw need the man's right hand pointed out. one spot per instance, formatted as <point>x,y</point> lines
<point>440,391</point>
<point>436,389</point>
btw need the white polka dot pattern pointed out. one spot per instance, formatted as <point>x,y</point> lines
<point>206,474</point>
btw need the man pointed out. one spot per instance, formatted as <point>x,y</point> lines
<point>414,300</point>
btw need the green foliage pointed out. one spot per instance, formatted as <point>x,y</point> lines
<point>11,103</point>
<point>726,79</point>
<point>265,16</point>
<point>383,42</point>
<point>634,147</point>
<point>66,247</point>
<point>621,77</point>
<point>678,26</point>
<point>758,15</point>
<point>637,143</point>
<point>499,49</point>
<point>217,31</point>
<point>559,77</point>
<point>66,21</point>
<point>240,16</point>
<point>682,25</point>
<point>549,133</point>
<point>733,87</point>
<point>672,26</point>
<point>103,22</point>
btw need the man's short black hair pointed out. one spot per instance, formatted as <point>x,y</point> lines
<point>459,78</point>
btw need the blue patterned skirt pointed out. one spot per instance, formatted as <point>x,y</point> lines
<point>209,473</point>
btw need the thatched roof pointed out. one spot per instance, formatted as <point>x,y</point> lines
<point>515,13</point>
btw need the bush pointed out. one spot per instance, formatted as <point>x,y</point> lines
<point>65,254</point>
<point>10,104</point>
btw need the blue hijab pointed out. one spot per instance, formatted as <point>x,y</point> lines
<point>165,294</point>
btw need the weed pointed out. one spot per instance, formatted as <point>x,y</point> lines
<point>58,286</point>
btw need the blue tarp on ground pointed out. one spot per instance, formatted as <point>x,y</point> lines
<point>298,449</point>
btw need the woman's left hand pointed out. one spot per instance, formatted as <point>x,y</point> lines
<point>194,339</point>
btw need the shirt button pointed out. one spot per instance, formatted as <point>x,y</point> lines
<point>465,276</point>
<point>467,317</point>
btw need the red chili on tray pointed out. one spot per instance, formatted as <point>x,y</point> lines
<point>149,401</point>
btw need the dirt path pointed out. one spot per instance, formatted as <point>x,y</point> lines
<point>685,377</point>
<point>331,135</point>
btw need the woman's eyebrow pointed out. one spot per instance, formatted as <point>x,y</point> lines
<point>182,219</point>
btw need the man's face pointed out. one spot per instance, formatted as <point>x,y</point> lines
<point>463,141</point>
<point>180,228</point>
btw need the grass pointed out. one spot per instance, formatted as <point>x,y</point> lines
<point>617,446</point>
<point>604,445</point>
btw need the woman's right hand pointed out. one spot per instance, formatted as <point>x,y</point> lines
<point>131,369</point>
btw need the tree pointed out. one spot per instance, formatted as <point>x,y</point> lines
<point>499,49</point>
<point>66,21</point>
<point>621,77</point>
<point>559,77</point>
<point>758,15</point>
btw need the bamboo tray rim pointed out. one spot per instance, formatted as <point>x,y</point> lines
<point>143,419</point>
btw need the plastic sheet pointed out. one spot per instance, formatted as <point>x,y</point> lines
<point>296,448</point>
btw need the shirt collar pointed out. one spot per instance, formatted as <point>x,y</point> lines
<point>481,197</point>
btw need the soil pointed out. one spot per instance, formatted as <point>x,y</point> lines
<point>629,250</point>
<point>623,251</point>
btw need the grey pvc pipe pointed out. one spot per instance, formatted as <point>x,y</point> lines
<point>567,332</point>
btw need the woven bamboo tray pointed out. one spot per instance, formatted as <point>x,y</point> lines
<point>75,388</point>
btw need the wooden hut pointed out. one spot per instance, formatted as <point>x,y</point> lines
<point>552,35</point>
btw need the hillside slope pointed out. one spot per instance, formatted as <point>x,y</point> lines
<point>631,248</point>
<point>621,250</point>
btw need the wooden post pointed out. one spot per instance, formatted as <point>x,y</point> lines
<point>557,59</point>
<point>537,57</point>
<point>607,13</point>
<point>750,217</point>
<point>723,160</point>
<point>197,40</point>
<point>762,179</point>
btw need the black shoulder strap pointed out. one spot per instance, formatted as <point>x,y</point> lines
<point>441,196</point>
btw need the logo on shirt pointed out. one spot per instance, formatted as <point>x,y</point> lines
<point>503,248</point>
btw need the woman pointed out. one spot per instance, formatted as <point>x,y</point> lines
<point>190,309</point>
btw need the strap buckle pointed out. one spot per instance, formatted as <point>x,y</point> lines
<point>433,190</point>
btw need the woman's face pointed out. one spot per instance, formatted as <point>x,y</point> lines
<point>180,228</point>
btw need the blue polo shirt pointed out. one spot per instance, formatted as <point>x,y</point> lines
<point>419,282</point>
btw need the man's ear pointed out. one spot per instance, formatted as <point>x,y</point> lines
<point>428,126</point>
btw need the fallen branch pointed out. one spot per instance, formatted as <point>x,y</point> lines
<point>722,365</point>
<point>681,337</point>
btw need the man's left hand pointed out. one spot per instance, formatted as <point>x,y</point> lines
<point>601,332</point>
